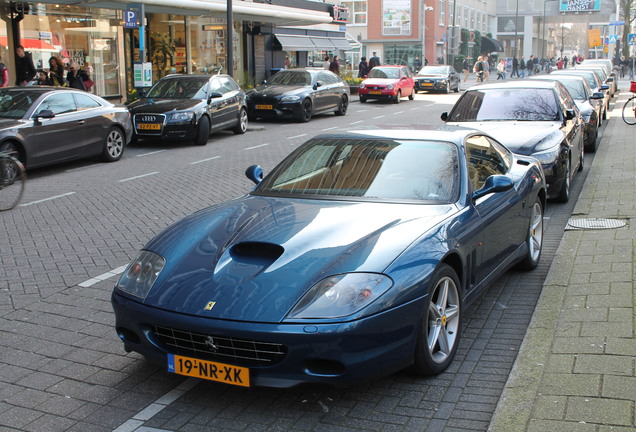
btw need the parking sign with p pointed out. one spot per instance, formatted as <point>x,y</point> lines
<point>131,19</point>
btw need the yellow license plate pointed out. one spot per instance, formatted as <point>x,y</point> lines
<point>264,107</point>
<point>375,92</point>
<point>209,370</point>
<point>148,126</point>
<point>426,84</point>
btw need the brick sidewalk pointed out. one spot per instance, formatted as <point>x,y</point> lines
<point>576,368</point>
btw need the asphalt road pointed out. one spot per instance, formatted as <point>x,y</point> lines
<point>62,366</point>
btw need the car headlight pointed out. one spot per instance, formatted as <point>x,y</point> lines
<point>290,99</point>
<point>361,85</point>
<point>442,81</point>
<point>141,274</point>
<point>341,295</point>
<point>181,116</point>
<point>390,86</point>
<point>548,156</point>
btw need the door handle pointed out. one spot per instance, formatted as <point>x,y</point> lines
<point>80,122</point>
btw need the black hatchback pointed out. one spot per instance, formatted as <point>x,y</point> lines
<point>189,108</point>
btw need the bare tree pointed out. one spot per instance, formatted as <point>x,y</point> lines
<point>628,14</point>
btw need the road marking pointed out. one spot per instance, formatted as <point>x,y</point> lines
<point>255,147</point>
<point>157,406</point>
<point>204,160</point>
<point>359,121</point>
<point>297,136</point>
<point>81,168</point>
<point>398,112</point>
<point>378,117</point>
<point>331,128</point>
<point>46,199</point>
<point>413,109</point>
<point>103,276</point>
<point>138,177</point>
<point>364,110</point>
<point>150,153</point>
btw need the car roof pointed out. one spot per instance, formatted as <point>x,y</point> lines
<point>389,66</point>
<point>516,84</point>
<point>448,133</point>
<point>206,76</point>
<point>549,77</point>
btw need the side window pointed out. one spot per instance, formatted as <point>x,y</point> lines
<point>226,85</point>
<point>326,78</point>
<point>59,103</point>
<point>85,102</point>
<point>485,158</point>
<point>215,85</point>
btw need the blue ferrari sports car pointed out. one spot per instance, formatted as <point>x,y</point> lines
<point>354,258</point>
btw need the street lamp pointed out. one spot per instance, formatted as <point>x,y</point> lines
<point>543,37</point>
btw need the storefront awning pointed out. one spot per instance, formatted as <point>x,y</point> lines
<point>311,43</point>
<point>242,10</point>
<point>31,44</point>
<point>489,45</point>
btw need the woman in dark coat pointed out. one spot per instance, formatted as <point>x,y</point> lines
<point>363,68</point>
<point>56,72</point>
<point>76,77</point>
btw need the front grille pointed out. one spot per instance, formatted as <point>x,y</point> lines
<point>149,124</point>
<point>376,87</point>
<point>239,352</point>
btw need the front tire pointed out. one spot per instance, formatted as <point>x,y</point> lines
<point>535,238</point>
<point>241,126</point>
<point>441,324</point>
<point>398,96</point>
<point>203,131</point>
<point>305,111</point>
<point>363,99</point>
<point>447,89</point>
<point>113,145</point>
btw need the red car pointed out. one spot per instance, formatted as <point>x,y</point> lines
<point>387,82</point>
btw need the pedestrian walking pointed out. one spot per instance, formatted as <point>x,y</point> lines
<point>501,70</point>
<point>327,63</point>
<point>334,66</point>
<point>478,68</point>
<point>466,68</point>
<point>486,68</point>
<point>374,61</point>
<point>417,65</point>
<point>363,68</point>
<point>56,72</point>
<point>4,75</point>
<point>25,71</point>
<point>522,67</point>
<point>515,68</point>
<point>530,65</point>
<point>76,77</point>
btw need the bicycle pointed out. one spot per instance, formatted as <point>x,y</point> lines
<point>12,179</point>
<point>629,109</point>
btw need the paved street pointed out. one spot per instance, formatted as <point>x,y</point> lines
<point>63,367</point>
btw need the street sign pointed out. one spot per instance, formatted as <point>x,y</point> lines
<point>594,37</point>
<point>617,23</point>
<point>131,19</point>
<point>613,38</point>
<point>631,39</point>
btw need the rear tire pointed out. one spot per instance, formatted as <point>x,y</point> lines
<point>564,193</point>
<point>113,145</point>
<point>241,126</point>
<point>203,131</point>
<point>12,178</point>
<point>344,105</point>
<point>629,115</point>
<point>412,95</point>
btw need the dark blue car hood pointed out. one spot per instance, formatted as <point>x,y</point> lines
<point>156,106</point>
<point>278,90</point>
<point>256,256</point>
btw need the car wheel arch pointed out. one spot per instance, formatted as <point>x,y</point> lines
<point>453,260</point>
<point>19,146</point>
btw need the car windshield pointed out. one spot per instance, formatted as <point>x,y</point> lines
<point>14,103</point>
<point>180,88</point>
<point>290,78</point>
<point>433,70</point>
<point>589,76</point>
<point>380,72</point>
<point>523,104</point>
<point>368,168</point>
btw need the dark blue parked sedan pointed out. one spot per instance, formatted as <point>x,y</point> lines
<point>354,258</point>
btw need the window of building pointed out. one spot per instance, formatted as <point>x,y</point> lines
<point>466,16</point>
<point>442,12</point>
<point>357,11</point>
<point>89,37</point>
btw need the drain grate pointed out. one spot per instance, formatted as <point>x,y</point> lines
<point>594,224</point>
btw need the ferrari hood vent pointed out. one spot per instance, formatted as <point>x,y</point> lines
<point>256,253</point>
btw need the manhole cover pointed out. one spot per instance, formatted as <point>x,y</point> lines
<point>595,223</point>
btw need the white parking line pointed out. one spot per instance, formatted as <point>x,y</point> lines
<point>103,276</point>
<point>297,136</point>
<point>378,117</point>
<point>359,121</point>
<point>204,160</point>
<point>364,110</point>
<point>414,109</point>
<point>157,406</point>
<point>398,112</point>
<point>46,199</point>
<point>331,128</point>
<point>258,146</point>
<point>150,153</point>
<point>138,177</point>
<point>81,168</point>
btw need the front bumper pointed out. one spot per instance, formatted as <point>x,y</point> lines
<point>278,110</point>
<point>430,85</point>
<point>339,354</point>
<point>378,94</point>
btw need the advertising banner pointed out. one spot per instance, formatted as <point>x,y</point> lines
<point>579,5</point>
<point>396,17</point>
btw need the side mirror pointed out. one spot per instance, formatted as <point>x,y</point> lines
<point>254,173</point>
<point>214,95</point>
<point>604,87</point>
<point>494,184</point>
<point>570,114</point>
<point>45,114</point>
<point>597,96</point>
<point>141,93</point>
<point>318,84</point>
<point>610,79</point>
<point>444,116</point>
